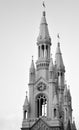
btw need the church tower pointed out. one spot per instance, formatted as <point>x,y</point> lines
<point>49,106</point>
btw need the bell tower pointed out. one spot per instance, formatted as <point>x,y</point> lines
<point>44,47</point>
<point>49,106</point>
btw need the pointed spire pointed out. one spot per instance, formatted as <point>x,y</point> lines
<point>26,103</point>
<point>59,59</point>
<point>69,125</point>
<point>32,68</point>
<point>43,33</point>
<point>73,125</point>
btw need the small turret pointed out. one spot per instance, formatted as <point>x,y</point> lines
<point>69,125</point>
<point>59,60</point>
<point>32,68</point>
<point>26,108</point>
<point>69,94</point>
<point>73,125</point>
<point>60,72</point>
<point>32,72</point>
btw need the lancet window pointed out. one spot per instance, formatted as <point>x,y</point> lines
<point>25,114</point>
<point>41,103</point>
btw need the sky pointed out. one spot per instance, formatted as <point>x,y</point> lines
<point>19,29</point>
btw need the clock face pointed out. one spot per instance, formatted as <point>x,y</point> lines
<point>41,86</point>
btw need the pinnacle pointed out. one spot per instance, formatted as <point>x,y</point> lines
<point>32,68</point>
<point>43,32</point>
<point>59,59</point>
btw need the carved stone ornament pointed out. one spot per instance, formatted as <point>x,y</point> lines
<point>41,86</point>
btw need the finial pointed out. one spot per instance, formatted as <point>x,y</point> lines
<point>32,58</point>
<point>26,93</point>
<point>68,87</point>
<point>44,4</point>
<point>43,8</point>
<point>58,36</point>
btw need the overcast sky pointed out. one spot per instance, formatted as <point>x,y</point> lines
<point>19,29</point>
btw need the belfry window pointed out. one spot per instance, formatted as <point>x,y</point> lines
<point>54,113</point>
<point>42,50</point>
<point>25,114</point>
<point>41,103</point>
<point>39,51</point>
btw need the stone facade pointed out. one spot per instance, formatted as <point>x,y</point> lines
<point>50,104</point>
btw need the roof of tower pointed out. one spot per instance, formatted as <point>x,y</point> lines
<point>59,59</point>
<point>43,33</point>
<point>51,65</point>
<point>32,68</point>
<point>26,103</point>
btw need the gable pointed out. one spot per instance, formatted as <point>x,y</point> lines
<point>41,85</point>
<point>40,125</point>
<point>41,79</point>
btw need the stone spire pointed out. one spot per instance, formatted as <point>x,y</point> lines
<point>32,68</point>
<point>73,125</point>
<point>25,108</point>
<point>32,72</point>
<point>44,48</point>
<point>43,33</point>
<point>59,59</point>
<point>69,94</point>
<point>26,103</point>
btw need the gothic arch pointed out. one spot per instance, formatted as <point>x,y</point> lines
<point>41,103</point>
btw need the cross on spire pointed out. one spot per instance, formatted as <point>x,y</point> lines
<point>26,93</point>
<point>32,58</point>
<point>44,4</point>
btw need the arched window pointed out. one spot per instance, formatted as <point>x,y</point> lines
<point>39,51</point>
<point>42,50</point>
<point>41,103</point>
<point>61,73</point>
<point>54,112</point>
<point>25,114</point>
<point>58,73</point>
